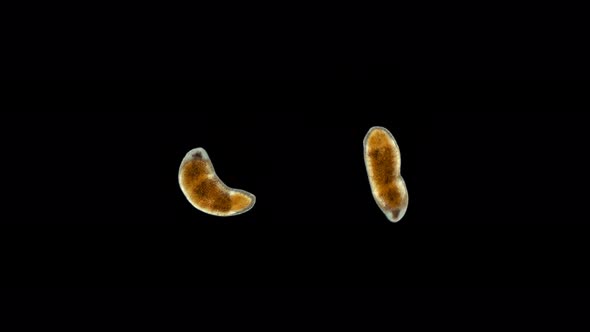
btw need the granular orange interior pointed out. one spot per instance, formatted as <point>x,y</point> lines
<point>240,201</point>
<point>383,160</point>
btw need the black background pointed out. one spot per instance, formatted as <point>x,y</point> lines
<point>95,227</point>
<point>495,175</point>
<point>483,42</point>
<point>496,171</point>
<point>184,41</point>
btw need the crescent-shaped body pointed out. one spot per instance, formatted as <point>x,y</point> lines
<point>205,190</point>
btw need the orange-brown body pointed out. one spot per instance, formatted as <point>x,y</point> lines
<point>206,192</point>
<point>383,162</point>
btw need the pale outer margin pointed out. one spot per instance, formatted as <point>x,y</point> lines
<point>388,214</point>
<point>188,157</point>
